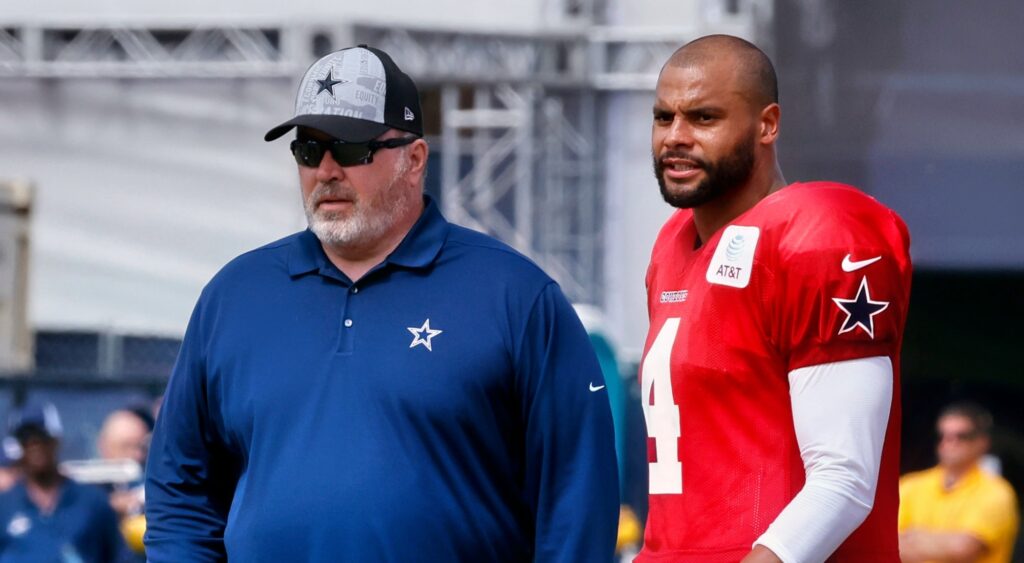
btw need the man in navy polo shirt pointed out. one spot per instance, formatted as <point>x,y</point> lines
<point>46,516</point>
<point>384,386</point>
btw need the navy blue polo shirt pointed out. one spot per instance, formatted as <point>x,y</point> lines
<point>83,527</point>
<point>448,406</point>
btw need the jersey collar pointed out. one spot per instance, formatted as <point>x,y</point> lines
<point>418,249</point>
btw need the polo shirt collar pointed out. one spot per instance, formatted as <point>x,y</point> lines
<point>306,254</point>
<point>418,249</point>
<point>66,495</point>
<point>424,240</point>
<point>968,479</point>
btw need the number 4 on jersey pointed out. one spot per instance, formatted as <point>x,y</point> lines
<point>662,413</point>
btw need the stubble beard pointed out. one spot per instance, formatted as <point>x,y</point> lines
<point>720,177</point>
<point>368,220</point>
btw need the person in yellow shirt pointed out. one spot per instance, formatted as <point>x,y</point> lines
<point>958,511</point>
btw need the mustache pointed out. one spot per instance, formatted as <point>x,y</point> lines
<point>332,190</point>
<point>660,159</point>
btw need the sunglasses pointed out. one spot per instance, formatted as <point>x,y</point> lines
<point>958,436</point>
<point>309,152</point>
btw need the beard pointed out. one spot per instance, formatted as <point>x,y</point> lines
<point>369,219</point>
<point>720,177</point>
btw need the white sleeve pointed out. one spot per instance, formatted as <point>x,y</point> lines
<point>840,412</point>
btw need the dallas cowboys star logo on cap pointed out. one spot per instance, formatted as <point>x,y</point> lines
<point>861,310</point>
<point>328,83</point>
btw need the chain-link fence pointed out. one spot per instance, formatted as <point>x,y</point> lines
<point>86,376</point>
<point>104,355</point>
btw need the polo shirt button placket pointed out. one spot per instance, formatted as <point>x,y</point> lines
<point>346,334</point>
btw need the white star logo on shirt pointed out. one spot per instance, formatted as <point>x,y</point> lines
<point>418,337</point>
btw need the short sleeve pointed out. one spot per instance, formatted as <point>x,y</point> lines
<point>909,485</point>
<point>993,517</point>
<point>845,286</point>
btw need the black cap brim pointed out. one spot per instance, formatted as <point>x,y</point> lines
<point>25,432</point>
<point>348,129</point>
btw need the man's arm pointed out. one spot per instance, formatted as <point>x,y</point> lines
<point>840,414</point>
<point>919,546</point>
<point>188,488</point>
<point>113,547</point>
<point>986,523</point>
<point>571,471</point>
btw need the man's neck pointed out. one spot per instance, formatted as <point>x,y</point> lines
<point>44,490</point>
<point>952,475</point>
<point>714,215</point>
<point>356,260</point>
<point>355,267</point>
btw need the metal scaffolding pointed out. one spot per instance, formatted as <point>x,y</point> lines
<point>519,114</point>
<point>141,51</point>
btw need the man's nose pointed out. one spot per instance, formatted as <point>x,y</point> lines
<point>679,133</point>
<point>329,170</point>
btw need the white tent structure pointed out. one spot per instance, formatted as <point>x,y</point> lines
<point>140,126</point>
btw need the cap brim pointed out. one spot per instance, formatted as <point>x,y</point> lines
<point>32,430</point>
<point>348,129</point>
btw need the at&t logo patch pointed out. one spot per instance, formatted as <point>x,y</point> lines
<point>734,256</point>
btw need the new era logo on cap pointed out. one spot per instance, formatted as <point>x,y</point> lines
<point>355,95</point>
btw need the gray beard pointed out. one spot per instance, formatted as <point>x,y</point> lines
<point>368,220</point>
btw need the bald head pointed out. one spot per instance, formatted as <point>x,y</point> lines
<point>754,69</point>
<point>124,436</point>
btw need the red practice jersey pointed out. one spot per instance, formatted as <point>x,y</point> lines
<point>814,273</point>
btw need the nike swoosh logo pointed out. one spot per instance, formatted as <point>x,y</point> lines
<point>851,266</point>
<point>598,388</point>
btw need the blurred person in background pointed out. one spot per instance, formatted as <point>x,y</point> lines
<point>10,453</point>
<point>384,386</point>
<point>958,511</point>
<point>46,516</point>
<point>125,435</point>
<point>770,374</point>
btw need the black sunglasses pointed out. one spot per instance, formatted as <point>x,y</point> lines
<point>309,152</point>
<point>958,436</point>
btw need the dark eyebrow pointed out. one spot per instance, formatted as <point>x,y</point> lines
<point>704,110</point>
<point>660,109</point>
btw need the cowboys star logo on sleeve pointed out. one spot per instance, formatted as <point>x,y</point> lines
<point>861,310</point>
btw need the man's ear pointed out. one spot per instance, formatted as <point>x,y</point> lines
<point>417,154</point>
<point>769,124</point>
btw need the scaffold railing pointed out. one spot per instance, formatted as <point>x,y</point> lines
<point>519,154</point>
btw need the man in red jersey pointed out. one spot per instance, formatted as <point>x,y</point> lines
<point>770,377</point>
